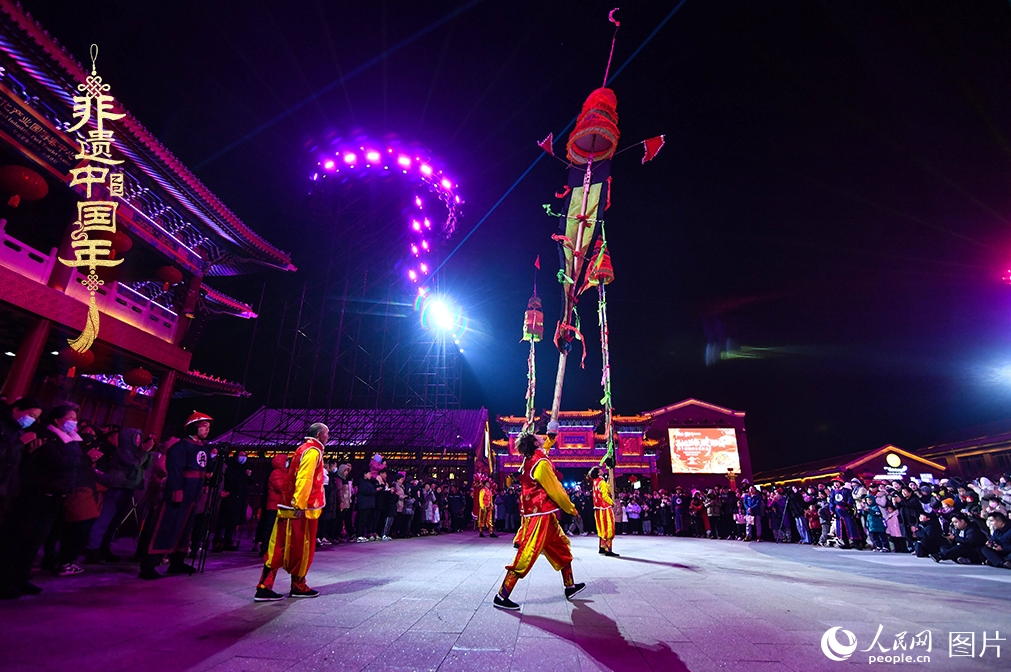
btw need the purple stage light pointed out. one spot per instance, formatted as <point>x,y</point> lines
<point>414,249</point>
<point>417,201</point>
<point>349,158</point>
<point>404,161</point>
<point>428,224</point>
<point>372,156</point>
<point>416,225</point>
<point>446,184</point>
<point>328,164</point>
<point>412,275</point>
<point>424,244</point>
<point>424,268</point>
<point>426,169</point>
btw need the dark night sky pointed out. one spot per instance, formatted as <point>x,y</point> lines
<point>833,199</point>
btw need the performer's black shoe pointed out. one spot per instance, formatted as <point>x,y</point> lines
<point>506,603</point>
<point>611,554</point>
<point>516,546</point>
<point>148,575</point>
<point>602,551</point>
<point>267,595</point>
<point>493,535</point>
<point>308,592</point>
<point>574,590</point>
<point>180,568</point>
<point>481,535</point>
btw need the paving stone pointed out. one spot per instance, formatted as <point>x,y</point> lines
<point>425,604</point>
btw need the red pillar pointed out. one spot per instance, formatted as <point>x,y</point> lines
<point>19,379</point>
<point>159,406</point>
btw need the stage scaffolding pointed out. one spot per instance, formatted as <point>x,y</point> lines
<point>351,336</point>
<point>431,442</point>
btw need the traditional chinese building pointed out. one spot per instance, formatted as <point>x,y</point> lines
<point>581,445</point>
<point>887,463</point>
<point>691,443</point>
<point>171,233</point>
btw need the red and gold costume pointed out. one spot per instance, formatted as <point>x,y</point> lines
<point>603,513</point>
<point>293,540</point>
<point>541,498</point>
<point>485,505</point>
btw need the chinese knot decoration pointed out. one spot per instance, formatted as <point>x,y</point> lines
<point>94,108</point>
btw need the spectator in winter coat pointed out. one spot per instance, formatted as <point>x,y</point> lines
<point>366,507</point>
<point>17,436</point>
<point>234,502</point>
<point>964,542</point>
<point>813,522</point>
<point>874,523</point>
<point>48,476</point>
<point>124,474</point>
<point>275,481</point>
<point>928,534</point>
<point>753,508</point>
<point>893,527</point>
<point>997,550</point>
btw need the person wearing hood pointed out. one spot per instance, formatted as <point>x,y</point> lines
<point>48,475</point>
<point>17,436</point>
<point>275,483</point>
<point>124,475</point>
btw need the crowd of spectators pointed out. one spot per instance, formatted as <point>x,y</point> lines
<point>962,521</point>
<point>68,487</point>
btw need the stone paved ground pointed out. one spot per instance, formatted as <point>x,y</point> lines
<point>425,604</point>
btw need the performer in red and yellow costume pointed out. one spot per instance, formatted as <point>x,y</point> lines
<point>484,506</point>
<point>603,511</point>
<point>293,539</point>
<point>541,498</point>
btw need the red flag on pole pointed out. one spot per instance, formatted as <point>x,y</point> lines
<point>537,262</point>
<point>652,146</point>
<point>546,143</point>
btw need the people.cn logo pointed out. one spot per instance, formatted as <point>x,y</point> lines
<point>835,649</point>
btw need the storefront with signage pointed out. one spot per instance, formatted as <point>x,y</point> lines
<point>887,463</point>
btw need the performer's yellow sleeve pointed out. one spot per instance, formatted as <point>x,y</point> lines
<point>605,493</point>
<point>482,498</point>
<point>303,479</point>
<point>544,474</point>
<point>549,443</point>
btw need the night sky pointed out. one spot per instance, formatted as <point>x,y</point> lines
<point>829,220</point>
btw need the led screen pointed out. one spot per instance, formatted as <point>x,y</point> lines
<point>703,450</point>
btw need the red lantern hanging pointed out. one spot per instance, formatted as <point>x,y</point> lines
<point>120,243</point>
<point>74,360</point>
<point>533,320</point>
<point>23,183</point>
<point>601,271</point>
<point>595,136</point>
<point>139,377</point>
<point>169,275</point>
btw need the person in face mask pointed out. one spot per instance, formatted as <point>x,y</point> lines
<point>48,474</point>
<point>17,433</point>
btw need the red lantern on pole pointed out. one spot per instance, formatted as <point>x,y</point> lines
<point>120,243</point>
<point>169,275</point>
<point>139,377</point>
<point>74,359</point>
<point>23,183</point>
